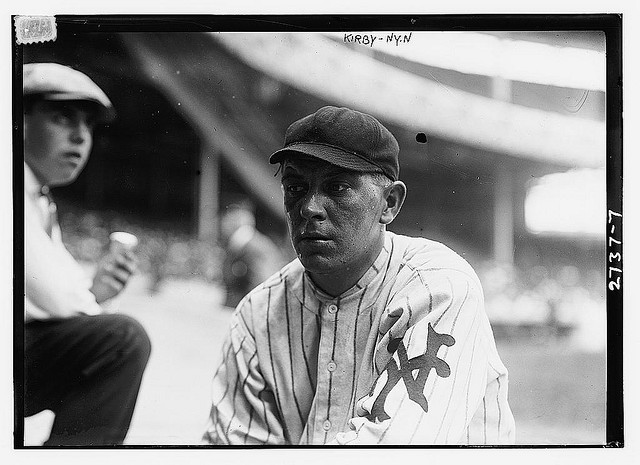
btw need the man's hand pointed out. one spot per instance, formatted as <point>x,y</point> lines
<point>113,273</point>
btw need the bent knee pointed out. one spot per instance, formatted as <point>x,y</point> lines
<point>130,336</point>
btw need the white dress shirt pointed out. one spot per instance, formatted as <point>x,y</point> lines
<point>55,284</point>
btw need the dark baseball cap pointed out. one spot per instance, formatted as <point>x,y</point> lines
<point>343,137</point>
<point>56,82</point>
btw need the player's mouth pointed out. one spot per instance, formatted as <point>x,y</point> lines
<point>74,158</point>
<point>313,238</point>
<point>312,235</point>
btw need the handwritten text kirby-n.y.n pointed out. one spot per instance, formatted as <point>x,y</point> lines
<point>370,39</point>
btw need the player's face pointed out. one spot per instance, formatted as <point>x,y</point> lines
<point>57,140</point>
<point>333,216</point>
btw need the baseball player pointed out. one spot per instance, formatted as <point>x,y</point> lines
<point>368,337</point>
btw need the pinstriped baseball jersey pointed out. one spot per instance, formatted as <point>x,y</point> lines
<point>406,356</point>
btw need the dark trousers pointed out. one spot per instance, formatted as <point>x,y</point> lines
<point>87,370</point>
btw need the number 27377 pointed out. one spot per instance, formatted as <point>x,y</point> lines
<point>614,256</point>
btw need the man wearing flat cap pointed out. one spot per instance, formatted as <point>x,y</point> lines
<point>368,337</point>
<point>81,362</point>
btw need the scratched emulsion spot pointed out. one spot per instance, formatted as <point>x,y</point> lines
<point>574,104</point>
<point>421,137</point>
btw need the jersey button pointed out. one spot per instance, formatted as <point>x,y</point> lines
<point>331,366</point>
<point>333,308</point>
<point>326,425</point>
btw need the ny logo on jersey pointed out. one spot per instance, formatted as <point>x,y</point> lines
<point>423,363</point>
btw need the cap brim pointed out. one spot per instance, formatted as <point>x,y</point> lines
<point>330,154</point>
<point>105,114</point>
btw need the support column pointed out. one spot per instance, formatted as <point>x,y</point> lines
<point>504,192</point>
<point>208,194</point>
<point>503,216</point>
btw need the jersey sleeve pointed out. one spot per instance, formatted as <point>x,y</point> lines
<point>244,410</point>
<point>431,358</point>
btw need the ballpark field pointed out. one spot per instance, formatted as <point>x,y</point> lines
<point>556,393</point>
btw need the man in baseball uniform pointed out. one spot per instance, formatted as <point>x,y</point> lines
<point>368,337</point>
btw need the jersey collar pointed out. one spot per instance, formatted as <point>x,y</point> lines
<point>312,297</point>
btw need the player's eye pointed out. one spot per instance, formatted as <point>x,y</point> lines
<point>293,189</point>
<point>338,187</point>
<point>61,117</point>
<point>91,123</point>
<point>90,120</point>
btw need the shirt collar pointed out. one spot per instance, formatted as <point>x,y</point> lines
<point>309,294</point>
<point>31,184</point>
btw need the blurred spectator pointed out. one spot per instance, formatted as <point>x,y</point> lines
<point>81,362</point>
<point>157,252</point>
<point>251,257</point>
<point>547,301</point>
<point>157,261</point>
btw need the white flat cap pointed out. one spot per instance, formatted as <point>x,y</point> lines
<point>54,81</point>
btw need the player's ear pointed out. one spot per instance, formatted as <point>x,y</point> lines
<point>394,196</point>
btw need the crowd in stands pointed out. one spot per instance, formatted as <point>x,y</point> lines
<point>562,297</point>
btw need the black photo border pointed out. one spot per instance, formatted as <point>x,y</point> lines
<point>610,24</point>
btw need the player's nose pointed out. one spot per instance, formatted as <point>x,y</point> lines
<point>312,206</point>
<point>81,130</point>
